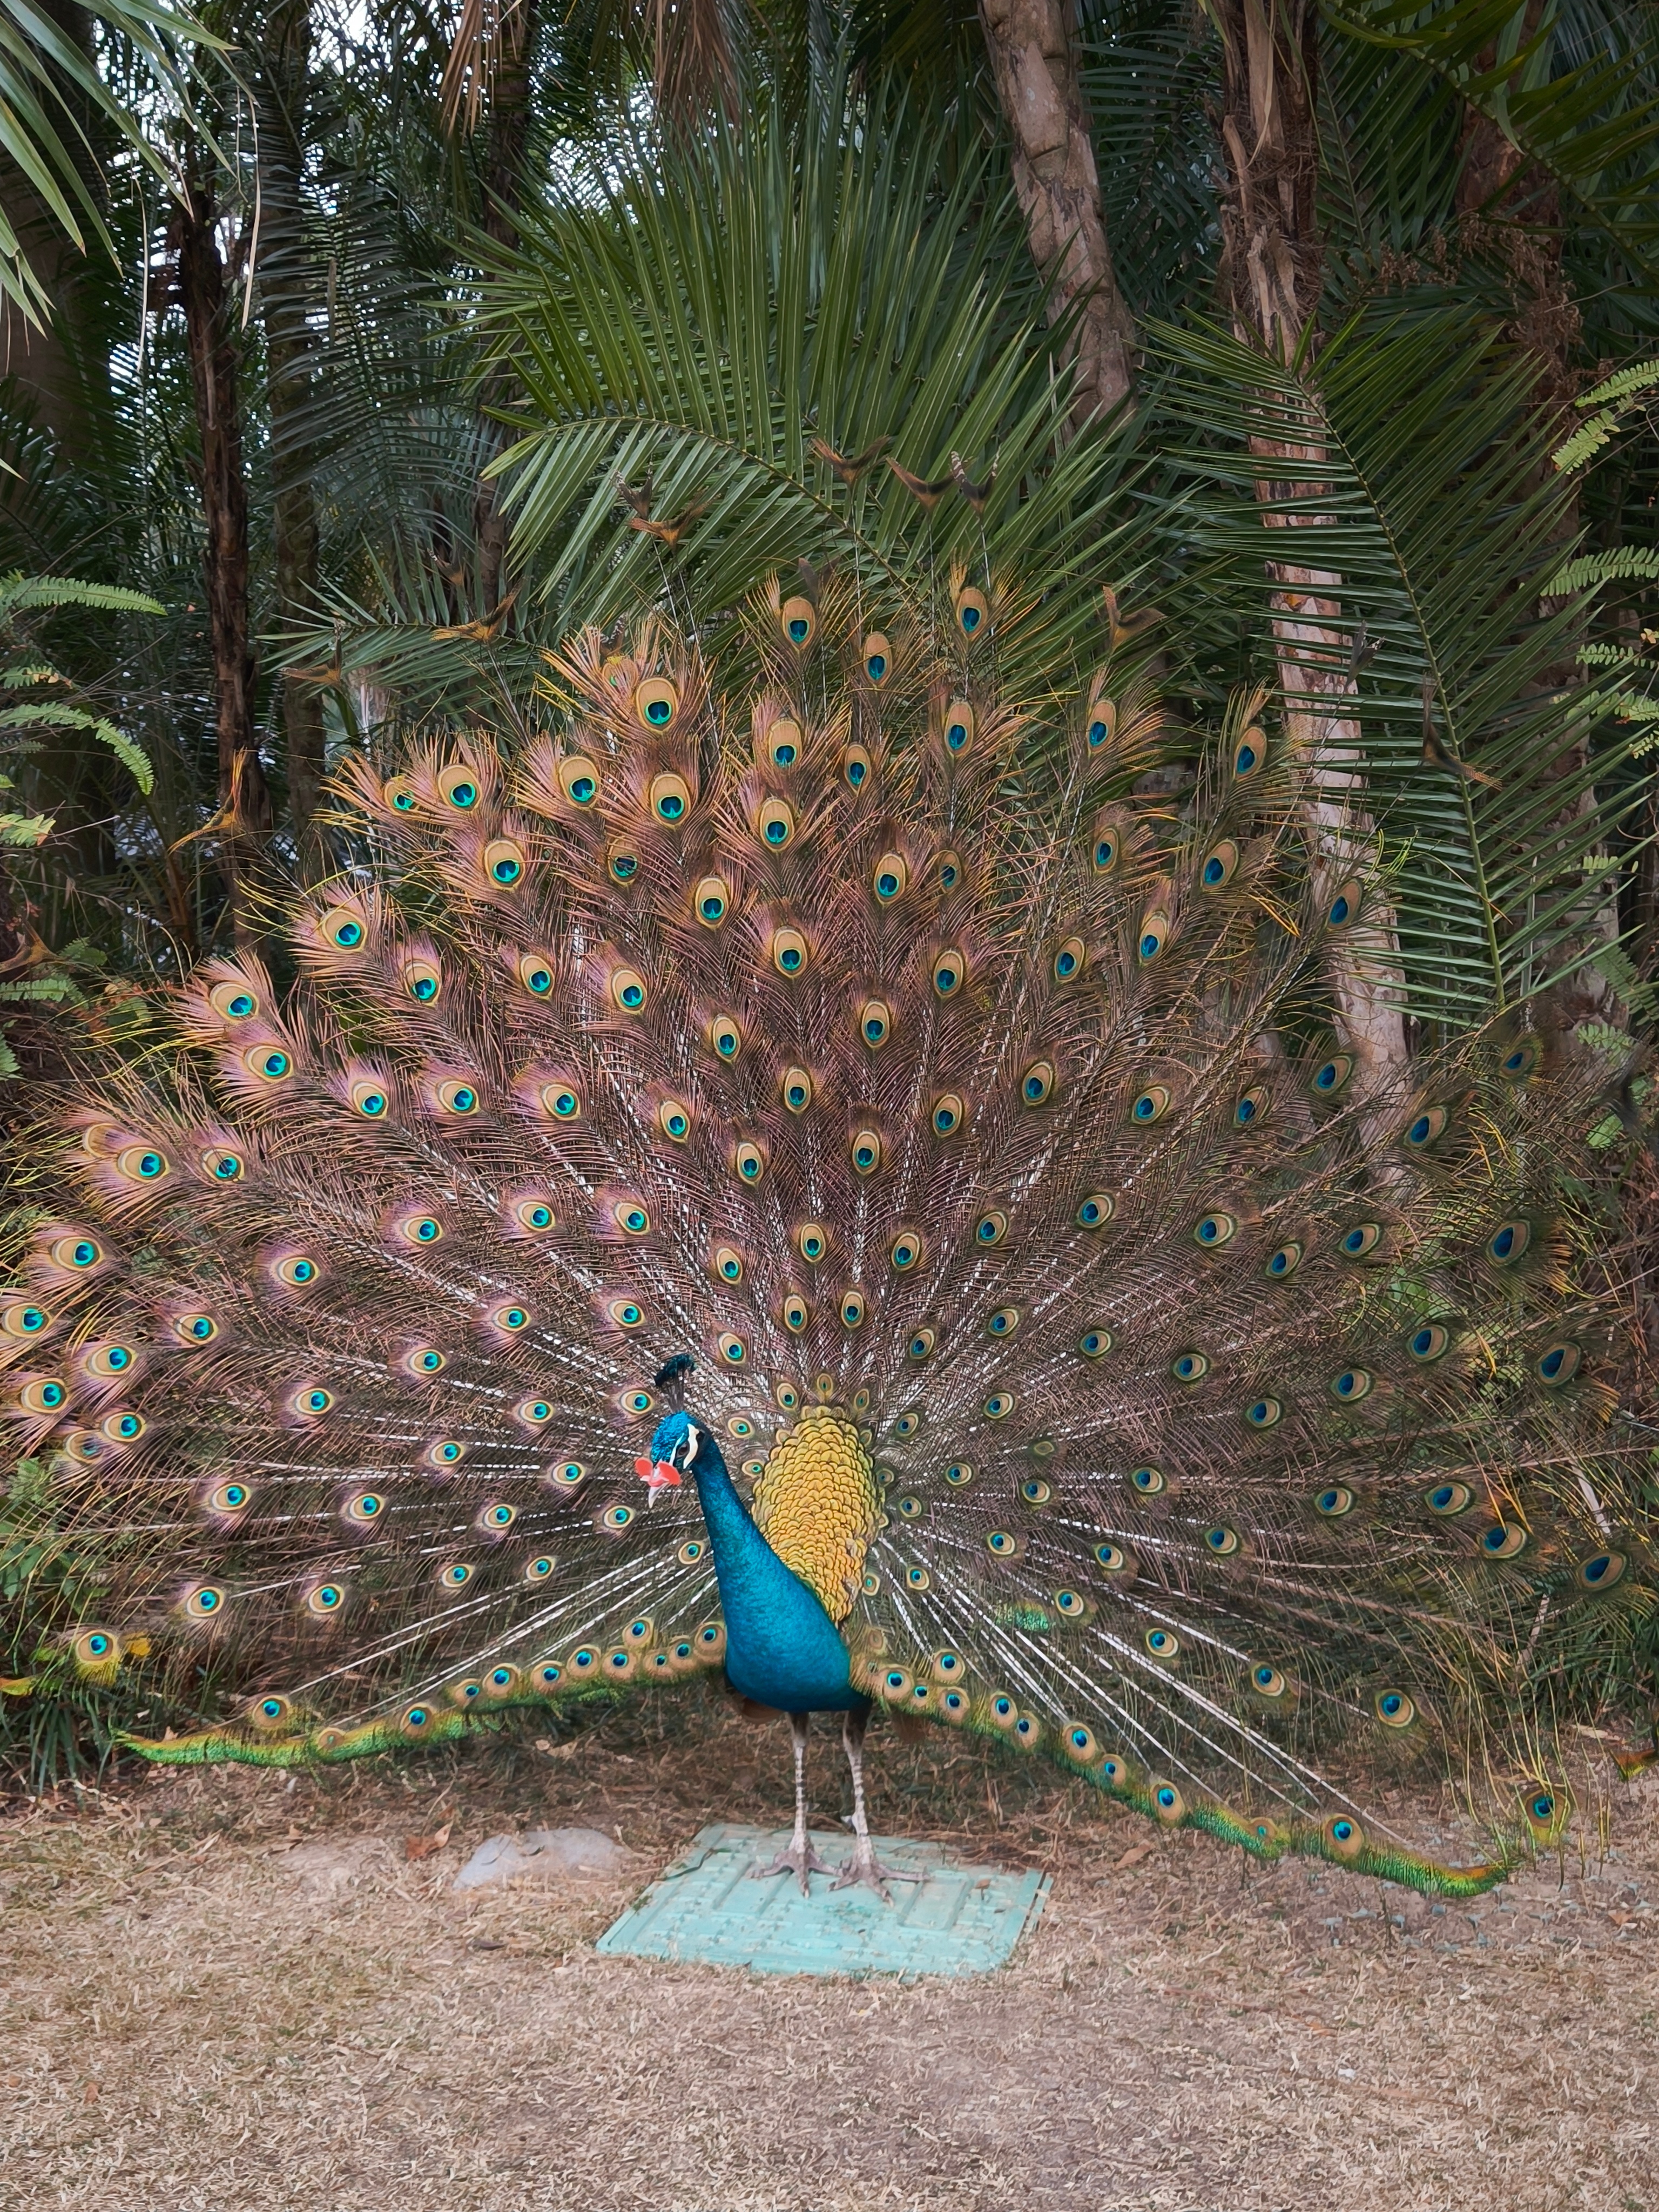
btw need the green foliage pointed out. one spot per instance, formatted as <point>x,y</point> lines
<point>1410,465</point>
<point>53,1727</point>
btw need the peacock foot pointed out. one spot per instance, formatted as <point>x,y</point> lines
<point>798,1857</point>
<point>863,1870</point>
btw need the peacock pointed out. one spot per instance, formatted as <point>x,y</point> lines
<point>786,1160</point>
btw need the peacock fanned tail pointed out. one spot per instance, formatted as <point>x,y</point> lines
<point>1140,1380</point>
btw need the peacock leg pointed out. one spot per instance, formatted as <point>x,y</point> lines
<point>862,1865</point>
<point>800,1859</point>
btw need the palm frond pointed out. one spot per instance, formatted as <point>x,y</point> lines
<point>1485,770</point>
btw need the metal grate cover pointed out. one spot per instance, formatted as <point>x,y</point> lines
<point>958,1920</point>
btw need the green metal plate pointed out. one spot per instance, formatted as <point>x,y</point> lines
<point>957,1920</point>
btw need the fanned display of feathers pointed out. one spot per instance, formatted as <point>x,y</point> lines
<point>885,1051</point>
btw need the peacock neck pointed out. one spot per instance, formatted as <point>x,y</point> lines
<point>730,1522</point>
<point>782,1648</point>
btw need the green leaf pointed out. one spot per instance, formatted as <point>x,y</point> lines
<point>1430,509</point>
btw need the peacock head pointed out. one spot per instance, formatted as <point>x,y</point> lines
<point>678,1439</point>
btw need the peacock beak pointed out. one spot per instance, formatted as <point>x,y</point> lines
<point>656,1474</point>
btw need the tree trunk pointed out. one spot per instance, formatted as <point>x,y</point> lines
<point>1034,62</point>
<point>284,70</point>
<point>506,147</point>
<point>244,800</point>
<point>1272,258</point>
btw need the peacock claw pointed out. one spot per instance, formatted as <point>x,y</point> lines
<point>798,1858</point>
<point>862,1869</point>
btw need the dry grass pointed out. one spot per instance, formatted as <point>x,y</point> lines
<point>230,1991</point>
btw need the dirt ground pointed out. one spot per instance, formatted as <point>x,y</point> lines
<point>229,1989</point>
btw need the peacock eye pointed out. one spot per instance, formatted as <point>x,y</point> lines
<point>1100,726</point>
<point>1331,1075</point>
<point>624,864</point>
<point>232,1002</point>
<point>1252,1107</point>
<point>973,611</point>
<point>628,990</point>
<point>1004,1322</point>
<point>1094,1210</point>
<point>921,1345</point>
<point>1427,1344</point>
<point>458,1096</point>
<point>905,1251</point>
<point>1393,1709</point>
<point>797,1087</point>
<point>1359,1242</point>
<point>856,767</point>
<point>796,1313</point>
<point>1095,1343</point>
<point>631,1216</point>
<point>1508,1243</point>
<point>999,1405</point>
<point>776,823</point>
<point>1423,1127</point>
<point>460,786</point>
<point>789,952</point>
<point>1154,935</point>
<point>852,1309</point>
<point>656,703</point>
<point>626,1313</point>
<point>503,862</point>
<point>268,1062</point>
<point>1150,1481</point>
<point>948,1114</point>
<point>1071,960</point>
<point>1150,1105</point>
<point>1334,1504</point>
<point>1264,1413</point>
<point>670,799</point>
<point>1249,752</point>
<point>878,658</point>
<point>875,1022</point>
<point>784,742</point>
<point>725,1037</point>
<point>959,1475</point>
<point>342,927</point>
<point>1284,1262</point>
<point>867,1150</point>
<point>1345,904</point>
<point>728,1263</point>
<point>141,1163</point>
<point>711,901</point>
<point>74,1253</point>
<point>535,1214</point>
<point>422,980</point>
<point>578,780</point>
<point>295,1270</point>
<point>1557,1364</point>
<point>891,878</point>
<point>991,1227</point>
<point>674,1120</point>
<point>534,1413</point>
<point>1112,1557</point>
<point>812,1242</point>
<point>949,969</point>
<point>749,1162</point>
<point>949,869</point>
<point>1037,1084</point>
<point>1521,1061</point>
<point>960,723</point>
<point>1219,866</point>
<point>1352,1384</point>
<point>1213,1230</point>
<point>1190,1366</point>
<point>798,619</point>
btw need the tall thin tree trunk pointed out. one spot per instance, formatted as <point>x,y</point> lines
<point>244,798</point>
<point>1032,46</point>
<point>284,82</point>
<point>507,144</point>
<point>1272,257</point>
